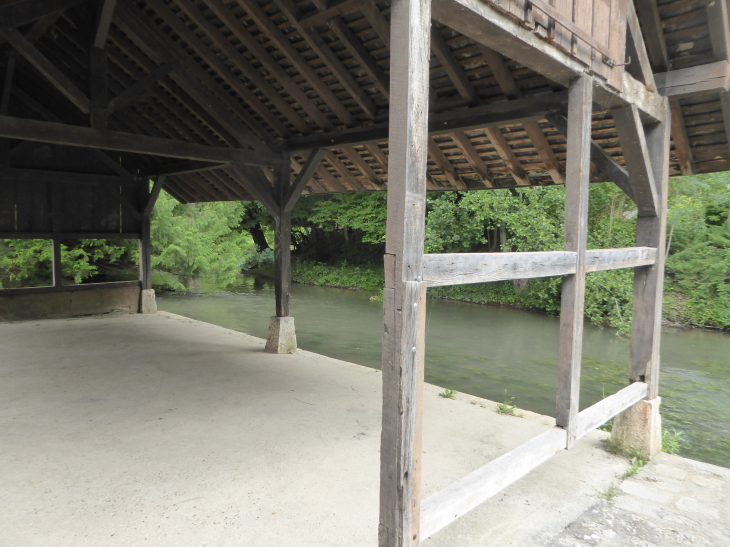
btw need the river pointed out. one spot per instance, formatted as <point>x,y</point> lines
<point>493,352</point>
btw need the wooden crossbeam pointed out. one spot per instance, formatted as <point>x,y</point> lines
<point>456,74</point>
<point>98,89</point>
<point>615,259</point>
<point>27,11</point>
<point>718,18</point>
<point>653,34</point>
<point>462,268</point>
<point>27,176</point>
<point>695,81</point>
<point>56,133</point>
<point>472,157</point>
<point>344,172</point>
<point>457,499</point>
<point>636,154</point>
<point>363,166</point>
<point>49,71</point>
<point>605,409</point>
<point>183,167</point>
<point>682,145</point>
<point>531,108</point>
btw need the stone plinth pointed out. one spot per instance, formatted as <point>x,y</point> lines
<point>282,336</point>
<point>147,302</point>
<point>639,428</point>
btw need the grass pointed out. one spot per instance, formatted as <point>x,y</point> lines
<point>448,394</point>
<point>638,460</point>
<point>507,407</point>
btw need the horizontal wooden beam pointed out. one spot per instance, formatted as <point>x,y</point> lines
<point>68,288</point>
<point>27,11</point>
<point>28,176</point>
<point>615,259</point>
<point>462,268</point>
<point>598,414</point>
<point>68,235</point>
<point>453,502</point>
<point>72,135</point>
<point>694,81</point>
<point>183,167</point>
<point>533,108</point>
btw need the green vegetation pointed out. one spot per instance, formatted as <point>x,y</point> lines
<point>508,407</point>
<point>339,241</point>
<point>448,394</point>
<point>671,441</point>
<point>609,494</point>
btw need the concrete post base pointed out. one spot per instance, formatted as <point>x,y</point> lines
<point>639,428</point>
<point>282,336</point>
<point>147,302</point>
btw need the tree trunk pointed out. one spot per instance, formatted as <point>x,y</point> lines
<point>257,233</point>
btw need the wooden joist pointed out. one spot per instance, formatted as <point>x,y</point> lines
<point>22,12</point>
<point>695,81</point>
<point>614,259</point>
<point>103,22</point>
<point>302,179</point>
<point>453,502</point>
<point>56,133</point>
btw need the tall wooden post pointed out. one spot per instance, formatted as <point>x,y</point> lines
<point>577,174</point>
<point>282,334</point>
<point>57,267</point>
<point>282,244</point>
<point>404,294</point>
<point>147,303</point>
<point>639,427</point>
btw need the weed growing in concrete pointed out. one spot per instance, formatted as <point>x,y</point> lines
<point>637,462</point>
<point>610,493</point>
<point>507,407</point>
<point>671,441</point>
<point>448,394</point>
<point>607,427</point>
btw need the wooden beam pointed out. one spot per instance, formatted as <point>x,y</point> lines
<point>338,68</point>
<point>154,194</point>
<point>605,409</point>
<point>50,72</point>
<point>682,144</point>
<point>649,280</point>
<point>462,268</point>
<point>362,56</point>
<point>545,151</point>
<point>343,170</point>
<point>577,175</point>
<point>139,90</point>
<point>27,11</point>
<point>98,69</point>
<point>103,22</point>
<point>404,295</point>
<point>531,108</point>
<point>503,149</point>
<point>271,30</point>
<point>653,34</point>
<point>28,176</point>
<point>183,167</point>
<point>302,179</point>
<point>472,157</point>
<point>364,167</point>
<point>695,81</point>
<point>457,76</point>
<point>453,502</point>
<point>258,187</point>
<point>718,18</point>
<point>56,262</point>
<point>636,154</point>
<point>614,259</point>
<point>443,164</point>
<point>640,66</point>
<point>56,133</point>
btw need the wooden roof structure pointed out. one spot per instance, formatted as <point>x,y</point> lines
<point>273,77</point>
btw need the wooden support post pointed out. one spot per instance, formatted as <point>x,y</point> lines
<point>649,280</point>
<point>147,302</point>
<point>576,232</point>
<point>57,271</point>
<point>97,88</point>
<point>404,293</point>
<point>282,336</point>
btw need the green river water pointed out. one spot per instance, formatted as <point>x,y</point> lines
<point>492,352</point>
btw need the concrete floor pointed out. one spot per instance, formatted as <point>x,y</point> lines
<point>160,430</point>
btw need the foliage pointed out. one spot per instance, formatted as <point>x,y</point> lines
<point>671,441</point>
<point>360,277</point>
<point>366,212</point>
<point>200,239</point>
<point>448,394</point>
<point>508,407</point>
<point>28,262</point>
